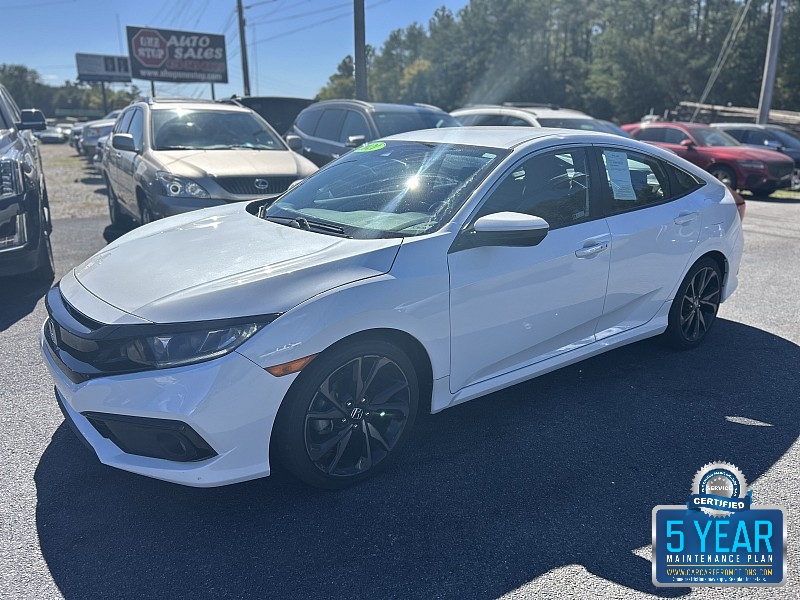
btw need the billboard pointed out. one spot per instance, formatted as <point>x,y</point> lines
<point>177,56</point>
<point>102,67</point>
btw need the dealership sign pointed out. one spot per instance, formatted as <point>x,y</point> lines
<point>101,67</point>
<point>178,56</point>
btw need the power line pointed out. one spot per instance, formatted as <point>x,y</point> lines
<point>301,15</point>
<point>318,23</point>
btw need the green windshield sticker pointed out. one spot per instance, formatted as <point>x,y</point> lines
<point>371,147</point>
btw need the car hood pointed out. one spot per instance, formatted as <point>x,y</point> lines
<point>235,162</point>
<point>747,153</point>
<point>224,262</point>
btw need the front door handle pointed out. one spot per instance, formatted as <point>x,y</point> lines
<point>686,217</point>
<point>590,250</point>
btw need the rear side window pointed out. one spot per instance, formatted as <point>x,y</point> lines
<point>307,121</point>
<point>637,180</point>
<point>330,124</point>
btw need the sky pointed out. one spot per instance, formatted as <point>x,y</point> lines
<point>294,46</point>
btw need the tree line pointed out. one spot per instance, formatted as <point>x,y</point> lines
<point>28,91</point>
<point>615,59</point>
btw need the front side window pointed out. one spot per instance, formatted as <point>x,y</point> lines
<point>181,129</point>
<point>553,186</point>
<point>714,137</point>
<point>136,128</point>
<point>387,189</point>
<point>354,124</point>
<point>121,126</point>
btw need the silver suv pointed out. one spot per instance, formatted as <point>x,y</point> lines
<point>168,156</point>
<point>529,115</point>
<point>24,212</point>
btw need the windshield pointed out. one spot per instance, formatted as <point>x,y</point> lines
<point>389,123</point>
<point>181,129</point>
<point>387,189</point>
<point>714,137</point>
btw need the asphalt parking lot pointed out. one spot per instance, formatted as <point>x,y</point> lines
<point>544,490</point>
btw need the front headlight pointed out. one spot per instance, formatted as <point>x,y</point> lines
<point>174,349</point>
<point>752,164</point>
<point>175,186</point>
<point>10,179</point>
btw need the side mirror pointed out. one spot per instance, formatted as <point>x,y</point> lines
<point>124,142</point>
<point>503,229</point>
<point>32,119</point>
<point>354,141</point>
<point>294,142</point>
<point>687,143</point>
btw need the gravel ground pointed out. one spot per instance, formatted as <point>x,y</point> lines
<point>75,188</point>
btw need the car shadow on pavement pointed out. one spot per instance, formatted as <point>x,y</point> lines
<point>564,469</point>
<point>19,298</point>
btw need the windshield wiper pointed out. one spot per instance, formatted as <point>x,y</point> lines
<point>306,225</point>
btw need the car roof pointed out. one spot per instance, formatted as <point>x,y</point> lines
<point>378,106</point>
<point>684,124</point>
<point>217,106</point>
<point>535,110</point>
<point>505,137</point>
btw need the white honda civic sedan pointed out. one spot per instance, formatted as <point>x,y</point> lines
<point>415,273</point>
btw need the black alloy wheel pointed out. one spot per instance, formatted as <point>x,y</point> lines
<point>348,414</point>
<point>696,304</point>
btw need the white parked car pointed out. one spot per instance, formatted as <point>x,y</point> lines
<point>415,273</point>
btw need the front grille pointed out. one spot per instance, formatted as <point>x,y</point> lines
<point>247,186</point>
<point>780,170</point>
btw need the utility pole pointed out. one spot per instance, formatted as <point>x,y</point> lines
<point>360,50</point>
<point>245,70</point>
<point>771,63</point>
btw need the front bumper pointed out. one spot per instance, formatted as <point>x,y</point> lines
<point>230,403</point>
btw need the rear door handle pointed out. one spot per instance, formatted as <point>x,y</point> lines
<point>686,217</point>
<point>590,250</point>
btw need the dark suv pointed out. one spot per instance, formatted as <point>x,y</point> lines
<point>328,129</point>
<point>772,137</point>
<point>24,213</point>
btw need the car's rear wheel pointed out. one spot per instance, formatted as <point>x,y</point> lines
<point>695,306</point>
<point>348,414</point>
<point>724,174</point>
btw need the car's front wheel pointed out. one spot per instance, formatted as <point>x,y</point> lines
<point>724,174</point>
<point>695,306</point>
<point>348,414</point>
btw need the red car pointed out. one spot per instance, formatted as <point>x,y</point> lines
<point>740,167</point>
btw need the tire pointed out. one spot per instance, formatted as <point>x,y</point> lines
<point>145,214</point>
<point>724,174</point>
<point>348,414</point>
<point>114,211</point>
<point>695,306</point>
<point>45,270</point>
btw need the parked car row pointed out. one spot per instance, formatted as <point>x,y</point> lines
<point>201,167</point>
<point>740,167</point>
